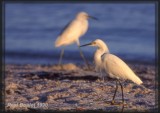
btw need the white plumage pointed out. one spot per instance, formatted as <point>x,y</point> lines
<point>116,68</point>
<point>113,66</point>
<point>72,32</point>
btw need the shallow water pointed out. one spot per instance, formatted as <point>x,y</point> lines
<point>32,28</point>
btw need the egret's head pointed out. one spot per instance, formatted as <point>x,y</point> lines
<point>97,43</point>
<point>84,15</point>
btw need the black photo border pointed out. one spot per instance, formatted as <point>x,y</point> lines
<point>2,43</point>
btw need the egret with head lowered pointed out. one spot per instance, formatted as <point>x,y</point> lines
<point>113,66</point>
<point>72,32</point>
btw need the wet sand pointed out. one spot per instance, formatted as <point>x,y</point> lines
<point>47,87</point>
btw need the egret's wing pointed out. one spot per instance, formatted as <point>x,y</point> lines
<point>65,27</point>
<point>69,34</point>
<point>73,29</point>
<point>118,68</point>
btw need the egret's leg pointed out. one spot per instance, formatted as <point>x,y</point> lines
<point>122,91</point>
<point>103,78</point>
<point>122,96</point>
<point>84,58</point>
<point>114,93</point>
<point>61,55</point>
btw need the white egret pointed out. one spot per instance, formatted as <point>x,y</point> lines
<point>72,32</point>
<point>113,66</point>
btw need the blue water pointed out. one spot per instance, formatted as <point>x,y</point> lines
<point>32,28</point>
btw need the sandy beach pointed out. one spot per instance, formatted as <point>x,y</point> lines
<point>47,87</point>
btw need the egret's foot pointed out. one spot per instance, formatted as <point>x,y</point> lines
<point>103,80</point>
<point>112,102</point>
<point>89,69</point>
<point>107,102</point>
<point>118,103</point>
<point>86,68</point>
<point>61,67</point>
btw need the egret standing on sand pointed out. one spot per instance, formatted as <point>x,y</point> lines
<point>113,65</point>
<point>72,32</point>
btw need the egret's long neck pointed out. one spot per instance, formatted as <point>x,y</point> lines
<point>102,48</point>
<point>97,56</point>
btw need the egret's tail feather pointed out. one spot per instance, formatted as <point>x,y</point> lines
<point>57,43</point>
<point>137,80</point>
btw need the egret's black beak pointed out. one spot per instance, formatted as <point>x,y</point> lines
<point>86,45</point>
<point>94,18</point>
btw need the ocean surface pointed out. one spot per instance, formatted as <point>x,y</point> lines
<point>32,28</point>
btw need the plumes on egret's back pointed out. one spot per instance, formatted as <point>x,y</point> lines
<point>117,68</point>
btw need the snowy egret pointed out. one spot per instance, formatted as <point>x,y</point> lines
<point>72,32</point>
<point>113,66</point>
